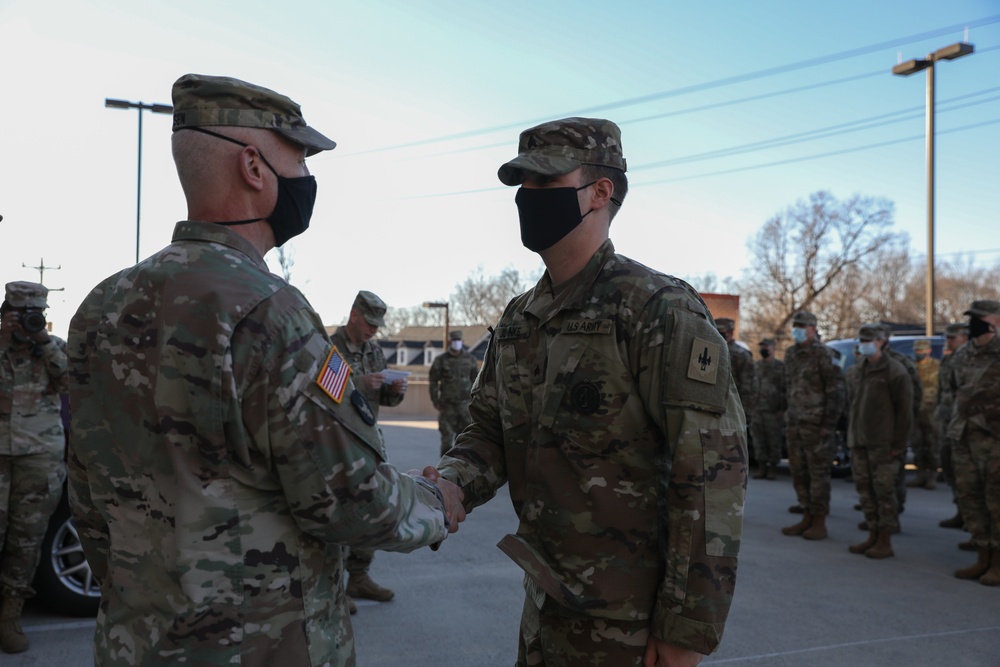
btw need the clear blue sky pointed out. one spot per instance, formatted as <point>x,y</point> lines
<point>426,100</point>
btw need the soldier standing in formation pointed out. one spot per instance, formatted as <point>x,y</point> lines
<point>768,423</point>
<point>815,396</point>
<point>32,445</point>
<point>743,373</point>
<point>354,341</point>
<point>956,335</point>
<point>220,453</point>
<point>881,415</point>
<point>606,403</point>
<point>925,437</point>
<point>451,377</point>
<point>918,400</point>
<point>974,431</point>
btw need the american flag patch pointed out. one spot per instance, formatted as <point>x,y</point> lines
<point>333,376</point>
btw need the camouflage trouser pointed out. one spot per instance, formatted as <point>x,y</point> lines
<point>925,441</point>
<point>452,420</point>
<point>30,490</point>
<point>767,437</point>
<point>809,459</point>
<point>555,637</point>
<point>947,465</point>
<point>357,561</point>
<point>875,473</point>
<point>976,458</point>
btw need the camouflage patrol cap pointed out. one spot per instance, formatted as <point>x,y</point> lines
<point>922,344</point>
<point>561,146</point>
<point>804,317</point>
<point>983,308</point>
<point>371,308</point>
<point>871,332</point>
<point>956,329</point>
<point>725,323</point>
<point>23,294</point>
<point>204,101</point>
<point>455,335</point>
<point>768,341</point>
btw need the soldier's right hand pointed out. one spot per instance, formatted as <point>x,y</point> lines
<point>453,497</point>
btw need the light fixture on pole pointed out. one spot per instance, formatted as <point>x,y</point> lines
<point>155,108</point>
<point>905,69</point>
<point>440,304</point>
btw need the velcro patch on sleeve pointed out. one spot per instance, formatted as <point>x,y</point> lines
<point>333,375</point>
<point>703,365</point>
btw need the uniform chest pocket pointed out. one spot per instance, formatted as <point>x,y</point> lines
<point>514,385</point>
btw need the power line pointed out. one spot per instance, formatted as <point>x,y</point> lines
<point>718,83</point>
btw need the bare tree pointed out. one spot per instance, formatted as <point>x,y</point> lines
<point>813,247</point>
<point>396,319</point>
<point>286,260</point>
<point>480,299</point>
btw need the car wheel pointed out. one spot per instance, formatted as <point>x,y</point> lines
<point>63,581</point>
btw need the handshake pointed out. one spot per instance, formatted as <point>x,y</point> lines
<point>451,495</point>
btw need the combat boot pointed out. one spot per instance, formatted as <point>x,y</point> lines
<point>817,530</point>
<point>12,637</point>
<point>967,546</point>
<point>863,546</point>
<point>992,575</point>
<point>761,472</point>
<point>360,585</point>
<point>929,483</point>
<point>772,472</point>
<point>796,509</point>
<point>954,522</point>
<point>352,606</point>
<point>917,481</point>
<point>978,568</point>
<point>883,545</point>
<point>800,527</point>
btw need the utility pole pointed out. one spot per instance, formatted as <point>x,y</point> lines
<point>41,273</point>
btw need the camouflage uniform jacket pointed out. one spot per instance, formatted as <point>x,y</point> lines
<point>911,368</point>
<point>31,379</point>
<point>212,479</point>
<point>608,407</point>
<point>881,406</point>
<point>814,385</point>
<point>771,397</point>
<point>451,378</point>
<point>364,359</point>
<point>945,397</point>
<point>927,370</point>
<point>975,386</point>
<point>745,375</point>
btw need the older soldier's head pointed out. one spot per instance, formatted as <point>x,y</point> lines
<point>367,315</point>
<point>984,318</point>
<point>956,335</point>
<point>803,327</point>
<point>725,327</point>
<point>241,161</point>
<point>571,171</point>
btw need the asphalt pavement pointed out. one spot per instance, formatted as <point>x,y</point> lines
<point>798,603</point>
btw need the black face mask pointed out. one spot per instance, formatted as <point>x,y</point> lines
<point>294,207</point>
<point>765,353</point>
<point>978,327</point>
<point>548,214</point>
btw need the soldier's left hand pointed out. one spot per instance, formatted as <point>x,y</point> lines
<point>372,381</point>
<point>453,497</point>
<point>399,386</point>
<point>663,654</point>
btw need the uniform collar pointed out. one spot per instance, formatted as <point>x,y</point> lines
<point>545,302</point>
<point>208,232</point>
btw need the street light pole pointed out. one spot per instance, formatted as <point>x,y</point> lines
<point>155,108</point>
<point>951,52</point>
<point>440,304</point>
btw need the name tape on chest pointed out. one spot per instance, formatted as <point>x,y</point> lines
<point>511,331</point>
<point>703,365</point>
<point>587,327</point>
<point>333,375</point>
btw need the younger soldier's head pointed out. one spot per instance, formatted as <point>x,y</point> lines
<point>767,348</point>
<point>455,342</point>
<point>803,327</point>
<point>921,349</point>
<point>871,340</point>
<point>367,315</point>
<point>571,171</point>
<point>955,336</point>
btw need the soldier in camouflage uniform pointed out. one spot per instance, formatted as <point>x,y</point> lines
<point>881,415</point>
<point>451,378</point>
<point>768,424</point>
<point>744,374</point>
<point>220,454</point>
<point>32,445</point>
<point>918,399</point>
<point>607,404</point>
<point>354,341</point>
<point>956,335</point>
<point>974,430</point>
<point>815,396</point>
<point>925,440</point>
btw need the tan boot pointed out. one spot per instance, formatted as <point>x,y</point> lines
<point>954,522</point>
<point>977,569</point>
<point>816,531</point>
<point>917,481</point>
<point>761,472</point>
<point>800,527</point>
<point>352,606</point>
<point>992,575</point>
<point>883,545</point>
<point>771,472</point>
<point>863,546</point>
<point>929,482</point>
<point>361,586</point>
<point>12,637</point>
